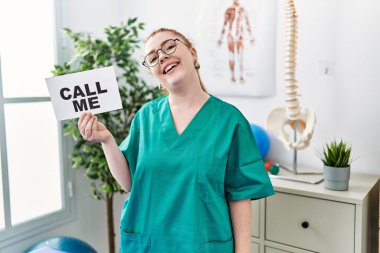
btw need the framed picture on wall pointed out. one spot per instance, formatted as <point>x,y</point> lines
<point>236,42</point>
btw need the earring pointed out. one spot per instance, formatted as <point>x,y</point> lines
<point>196,65</point>
<point>161,87</point>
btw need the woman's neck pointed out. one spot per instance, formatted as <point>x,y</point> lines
<point>188,93</point>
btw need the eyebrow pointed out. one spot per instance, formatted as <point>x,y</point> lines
<point>153,50</point>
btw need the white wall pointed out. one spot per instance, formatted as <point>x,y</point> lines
<point>343,32</point>
<point>346,102</point>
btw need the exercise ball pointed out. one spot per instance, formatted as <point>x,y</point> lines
<point>62,243</point>
<point>261,138</point>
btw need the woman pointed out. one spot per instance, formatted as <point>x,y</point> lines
<point>190,162</point>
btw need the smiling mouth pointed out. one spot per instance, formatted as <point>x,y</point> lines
<point>170,68</point>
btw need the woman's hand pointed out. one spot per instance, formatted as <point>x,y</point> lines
<point>91,129</point>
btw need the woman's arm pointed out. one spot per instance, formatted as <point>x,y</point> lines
<point>117,163</point>
<point>241,218</point>
<point>92,130</point>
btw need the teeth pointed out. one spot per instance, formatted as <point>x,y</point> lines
<point>170,67</point>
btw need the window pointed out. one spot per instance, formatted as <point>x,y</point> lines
<point>2,224</point>
<point>32,195</point>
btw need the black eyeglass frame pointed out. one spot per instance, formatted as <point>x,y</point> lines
<point>175,43</point>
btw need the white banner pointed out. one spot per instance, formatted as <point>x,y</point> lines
<point>94,91</point>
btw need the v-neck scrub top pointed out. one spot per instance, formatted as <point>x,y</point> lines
<point>181,183</point>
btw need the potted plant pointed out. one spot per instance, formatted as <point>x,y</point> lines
<point>337,159</point>
<point>115,49</point>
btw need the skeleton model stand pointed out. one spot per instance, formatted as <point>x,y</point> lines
<point>294,119</point>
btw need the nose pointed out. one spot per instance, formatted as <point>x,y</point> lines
<point>161,55</point>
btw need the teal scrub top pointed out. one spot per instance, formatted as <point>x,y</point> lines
<point>181,183</point>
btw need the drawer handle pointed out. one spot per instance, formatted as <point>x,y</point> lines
<point>305,224</point>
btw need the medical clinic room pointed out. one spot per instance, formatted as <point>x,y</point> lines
<point>205,126</point>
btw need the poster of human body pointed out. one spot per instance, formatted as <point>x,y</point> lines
<point>237,47</point>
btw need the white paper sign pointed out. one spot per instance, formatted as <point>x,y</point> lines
<point>95,91</point>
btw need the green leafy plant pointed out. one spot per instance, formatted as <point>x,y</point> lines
<point>115,50</point>
<point>336,154</point>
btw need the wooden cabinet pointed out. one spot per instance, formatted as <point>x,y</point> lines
<point>303,218</point>
<point>310,223</point>
<point>255,248</point>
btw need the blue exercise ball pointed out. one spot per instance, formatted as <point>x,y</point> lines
<point>62,243</point>
<point>261,138</point>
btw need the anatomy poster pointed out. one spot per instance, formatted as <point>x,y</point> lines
<point>236,42</point>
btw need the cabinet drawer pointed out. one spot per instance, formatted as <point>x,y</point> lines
<point>255,248</point>
<point>310,223</point>
<point>275,250</point>
<point>255,218</point>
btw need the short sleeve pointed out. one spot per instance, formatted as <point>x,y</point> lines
<point>246,176</point>
<point>130,146</point>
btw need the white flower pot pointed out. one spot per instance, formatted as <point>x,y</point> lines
<point>336,178</point>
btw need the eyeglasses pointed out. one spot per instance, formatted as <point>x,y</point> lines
<point>167,47</point>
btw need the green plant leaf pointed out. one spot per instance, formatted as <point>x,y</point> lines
<point>67,129</point>
<point>131,21</point>
<point>75,134</point>
<point>77,162</point>
<point>115,48</point>
<point>336,154</point>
